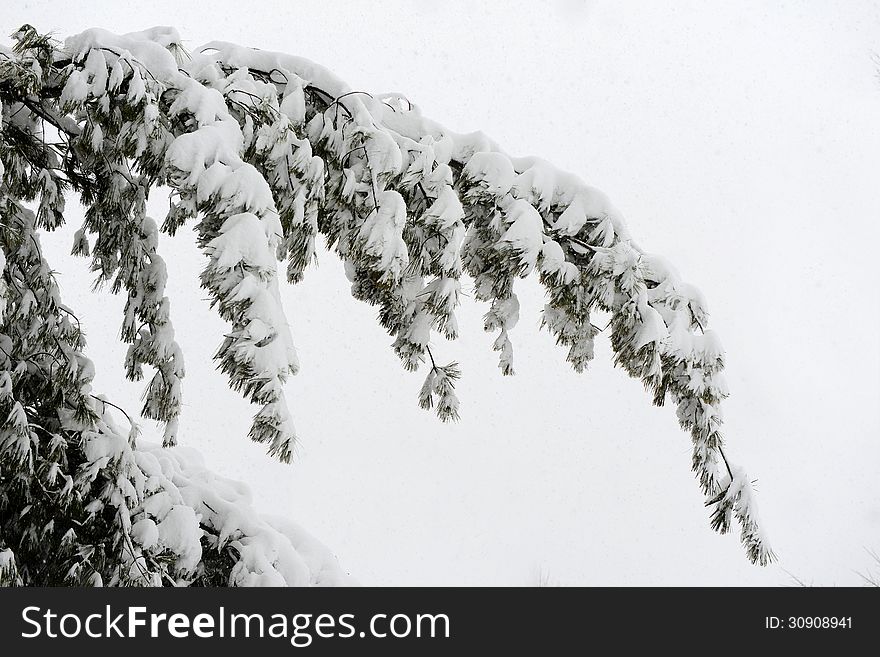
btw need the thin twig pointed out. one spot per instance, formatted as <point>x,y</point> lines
<point>431,356</point>
<point>109,403</point>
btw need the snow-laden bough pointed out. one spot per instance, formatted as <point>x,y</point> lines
<point>263,151</point>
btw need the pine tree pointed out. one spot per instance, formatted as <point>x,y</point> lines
<point>262,152</point>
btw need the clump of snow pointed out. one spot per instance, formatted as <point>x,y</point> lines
<point>294,104</point>
<point>553,262</point>
<point>382,234</point>
<point>652,328</point>
<point>148,47</point>
<point>194,152</point>
<point>241,242</point>
<point>492,172</point>
<point>7,559</point>
<point>525,233</point>
<point>145,532</point>
<point>186,497</point>
<point>179,532</point>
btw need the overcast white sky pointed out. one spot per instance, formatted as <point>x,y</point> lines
<point>741,140</point>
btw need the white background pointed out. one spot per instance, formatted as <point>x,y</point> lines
<point>741,140</point>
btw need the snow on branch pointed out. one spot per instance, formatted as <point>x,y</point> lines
<point>83,501</point>
<point>265,150</point>
<point>512,216</point>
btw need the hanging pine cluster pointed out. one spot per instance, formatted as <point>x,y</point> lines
<point>262,152</point>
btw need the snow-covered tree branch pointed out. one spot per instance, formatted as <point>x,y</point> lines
<point>262,152</point>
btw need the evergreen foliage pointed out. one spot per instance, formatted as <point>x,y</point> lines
<point>262,152</point>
